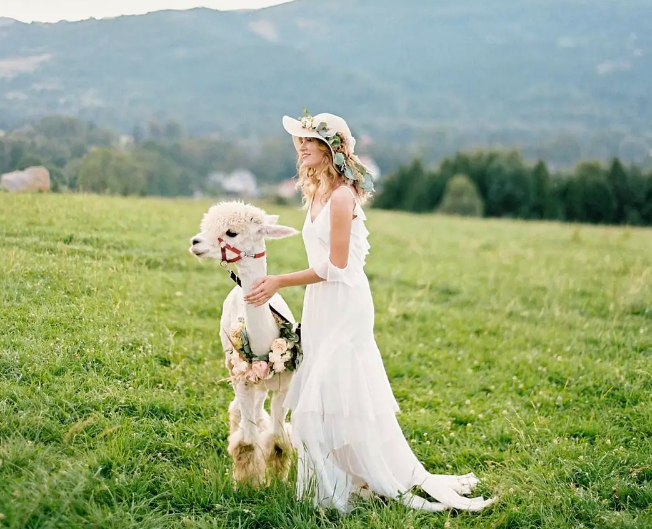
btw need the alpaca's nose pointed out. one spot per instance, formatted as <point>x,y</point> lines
<point>196,240</point>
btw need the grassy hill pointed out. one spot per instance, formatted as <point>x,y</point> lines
<point>497,72</point>
<point>517,350</point>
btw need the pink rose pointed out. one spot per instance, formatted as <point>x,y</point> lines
<point>260,369</point>
<point>250,376</point>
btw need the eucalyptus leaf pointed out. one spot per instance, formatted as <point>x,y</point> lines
<point>246,348</point>
<point>367,185</point>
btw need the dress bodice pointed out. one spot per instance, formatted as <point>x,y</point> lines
<point>317,240</point>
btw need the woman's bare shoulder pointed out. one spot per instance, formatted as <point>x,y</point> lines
<point>343,195</point>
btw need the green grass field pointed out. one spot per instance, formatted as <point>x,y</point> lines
<point>519,351</point>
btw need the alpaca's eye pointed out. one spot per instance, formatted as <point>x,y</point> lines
<point>230,233</point>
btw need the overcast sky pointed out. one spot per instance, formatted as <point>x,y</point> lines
<point>55,10</point>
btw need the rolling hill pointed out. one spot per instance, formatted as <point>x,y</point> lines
<point>495,72</point>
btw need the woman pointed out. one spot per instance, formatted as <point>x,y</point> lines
<point>343,409</point>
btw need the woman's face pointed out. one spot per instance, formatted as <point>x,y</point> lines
<point>311,153</point>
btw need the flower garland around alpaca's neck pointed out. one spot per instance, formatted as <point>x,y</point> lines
<point>285,353</point>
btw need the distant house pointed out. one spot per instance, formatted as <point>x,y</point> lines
<point>240,182</point>
<point>125,141</point>
<point>287,188</point>
<point>365,140</point>
<point>369,162</point>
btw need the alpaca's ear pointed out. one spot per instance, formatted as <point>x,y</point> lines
<point>271,219</point>
<point>277,231</point>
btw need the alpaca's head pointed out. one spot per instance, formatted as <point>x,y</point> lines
<point>239,225</point>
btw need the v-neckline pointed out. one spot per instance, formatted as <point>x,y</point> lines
<point>312,221</point>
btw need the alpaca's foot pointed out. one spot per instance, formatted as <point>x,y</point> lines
<point>248,460</point>
<point>278,450</point>
<point>363,491</point>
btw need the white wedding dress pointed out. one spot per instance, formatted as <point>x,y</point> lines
<point>343,410</point>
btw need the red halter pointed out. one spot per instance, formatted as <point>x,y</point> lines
<point>239,253</point>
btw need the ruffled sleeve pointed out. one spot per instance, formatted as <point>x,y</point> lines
<point>329,272</point>
<point>353,272</point>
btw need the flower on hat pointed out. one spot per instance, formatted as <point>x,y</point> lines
<point>307,122</point>
<point>342,146</point>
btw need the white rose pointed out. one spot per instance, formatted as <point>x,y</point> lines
<point>235,338</point>
<point>307,123</point>
<point>240,368</point>
<point>231,358</point>
<point>275,357</point>
<point>279,367</point>
<point>235,358</point>
<point>279,346</point>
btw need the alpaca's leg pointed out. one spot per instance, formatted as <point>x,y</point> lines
<point>278,413</point>
<point>244,443</point>
<point>262,417</point>
<point>246,396</point>
<point>278,447</point>
<point>234,416</point>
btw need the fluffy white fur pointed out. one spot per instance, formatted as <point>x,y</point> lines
<point>258,444</point>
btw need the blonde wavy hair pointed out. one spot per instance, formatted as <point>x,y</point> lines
<point>324,179</point>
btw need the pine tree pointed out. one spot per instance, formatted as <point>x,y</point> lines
<point>543,206</point>
<point>618,181</point>
<point>462,198</point>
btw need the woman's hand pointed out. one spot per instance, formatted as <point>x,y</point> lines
<point>263,290</point>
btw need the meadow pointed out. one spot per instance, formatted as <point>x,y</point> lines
<point>517,350</point>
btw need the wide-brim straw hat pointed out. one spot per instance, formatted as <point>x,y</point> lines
<point>334,124</point>
<point>334,132</point>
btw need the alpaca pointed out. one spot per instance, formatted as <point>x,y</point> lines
<point>236,232</point>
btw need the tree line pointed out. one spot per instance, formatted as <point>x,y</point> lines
<point>502,184</point>
<point>158,159</point>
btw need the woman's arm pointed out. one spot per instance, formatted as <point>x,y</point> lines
<point>342,204</point>
<point>263,289</point>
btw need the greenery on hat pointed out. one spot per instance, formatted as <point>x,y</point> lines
<point>346,163</point>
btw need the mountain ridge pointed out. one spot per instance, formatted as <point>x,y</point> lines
<point>399,71</point>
